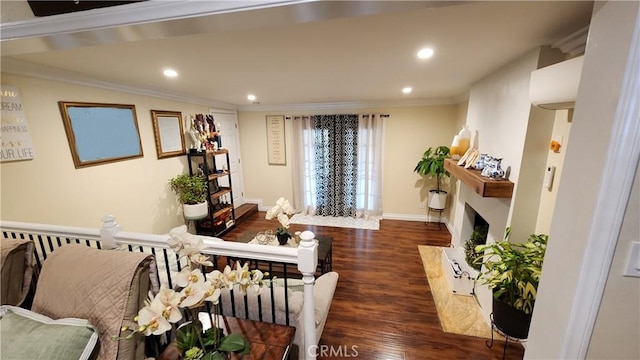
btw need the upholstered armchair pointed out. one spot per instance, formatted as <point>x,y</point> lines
<point>106,288</point>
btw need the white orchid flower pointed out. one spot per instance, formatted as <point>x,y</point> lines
<point>228,277</point>
<point>286,207</point>
<point>193,294</point>
<point>151,321</point>
<point>187,276</point>
<point>191,245</point>
<point>273,212</point>
<point>168,300</point>
<point>256,282</point>
<point>200,259</point>
<point>216,279</point>
<point>284,220</point>
<point>212,294</point>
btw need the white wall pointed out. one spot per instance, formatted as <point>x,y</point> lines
<point>498,116</point>
<point>560,133</point>
<point>409,131</point>
<point>617,328</point>
<point>526,198</point>
<point>50,190</point>
<point>606,55</point>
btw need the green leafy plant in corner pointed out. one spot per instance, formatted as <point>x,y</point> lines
<point>512,270</point>
<point>478,237</point>
<point>432,164</point>
<point>191,189</point>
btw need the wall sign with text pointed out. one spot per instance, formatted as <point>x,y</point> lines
<point>16,139</point>
<point>276,146</point>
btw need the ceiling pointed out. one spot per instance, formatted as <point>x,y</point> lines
<point>351,54</point>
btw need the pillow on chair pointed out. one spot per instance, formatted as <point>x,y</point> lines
<point>27,335</point>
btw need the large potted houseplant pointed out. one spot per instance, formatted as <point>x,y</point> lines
<point>512,272</point>
<point>192,193</point>
<point>431,165</point>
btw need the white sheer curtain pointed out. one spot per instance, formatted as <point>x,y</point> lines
<point>304,185</point>
<point>370,153</point>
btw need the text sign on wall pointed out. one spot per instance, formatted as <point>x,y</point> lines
<point>276,147</point>
<point>16,139</point>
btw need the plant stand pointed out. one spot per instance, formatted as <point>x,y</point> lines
<point>507,338</point>
<point>439,212</point>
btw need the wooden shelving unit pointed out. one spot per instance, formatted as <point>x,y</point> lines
<point>482,186</point>
<point>215,164</point>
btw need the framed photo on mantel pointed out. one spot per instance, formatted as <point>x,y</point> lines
<point>276,144</point>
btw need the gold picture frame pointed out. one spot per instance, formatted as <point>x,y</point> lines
<point>101,133</point>
<point>168,132</point>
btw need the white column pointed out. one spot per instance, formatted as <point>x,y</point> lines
<point>109,228</point>
<point>307,264</point>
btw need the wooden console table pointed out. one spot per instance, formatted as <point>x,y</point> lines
<point>325,252</point>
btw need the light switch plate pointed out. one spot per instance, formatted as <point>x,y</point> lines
<point>633,262</point>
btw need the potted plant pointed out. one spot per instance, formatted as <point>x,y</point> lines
<point>478,237</point>
<point>512,272</point>
<point>192,193</point>
<point>432,165</point>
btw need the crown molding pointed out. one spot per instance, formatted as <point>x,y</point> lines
<point>573,44</point>
<point>13,66</point>
<point>348,105</point>
<point>462,97</point>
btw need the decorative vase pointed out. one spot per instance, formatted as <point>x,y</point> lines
<point>283,238</point>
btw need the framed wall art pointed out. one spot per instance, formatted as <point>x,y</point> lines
<point>276,146</point>
<point>167,129</point>
<point>101,133</point>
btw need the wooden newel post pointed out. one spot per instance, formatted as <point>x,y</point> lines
<point>307,264</point>
<point>108,231</point>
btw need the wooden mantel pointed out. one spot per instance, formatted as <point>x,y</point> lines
<point>482,186</point>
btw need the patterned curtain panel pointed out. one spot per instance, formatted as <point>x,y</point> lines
<point>336,164</point>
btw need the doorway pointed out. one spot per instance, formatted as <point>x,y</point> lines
<point>230,140</point>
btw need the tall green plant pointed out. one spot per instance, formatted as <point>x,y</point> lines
<point>191,189</point>
<point>432,164</point>
<point>512,270</point>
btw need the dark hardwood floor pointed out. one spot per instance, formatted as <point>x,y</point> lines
<point>383,307</point>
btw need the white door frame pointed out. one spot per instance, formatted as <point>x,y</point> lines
<point>236,166</point>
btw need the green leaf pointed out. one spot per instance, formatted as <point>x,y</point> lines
<point>186,338</point>
<point>214,356</point>
<point>234,342</point>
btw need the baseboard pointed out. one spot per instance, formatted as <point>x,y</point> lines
<point>258,202</point>
<point>405,217</point>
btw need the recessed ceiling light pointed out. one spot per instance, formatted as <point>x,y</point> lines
<point>407,90</point>
<point>425,53</point>
<point>170,73</point>
<point>251,97</point>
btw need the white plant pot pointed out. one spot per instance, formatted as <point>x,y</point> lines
<point>437,200</point>
<point>195,212</point>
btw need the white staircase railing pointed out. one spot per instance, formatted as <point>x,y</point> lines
<point>110,236</point>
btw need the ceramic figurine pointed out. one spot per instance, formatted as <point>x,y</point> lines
<point>488,165</point>
<point>497,172</point>
<point>479,165</point>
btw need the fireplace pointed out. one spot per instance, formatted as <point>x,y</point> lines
<point>478,236</point>
<point>490,212</point>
